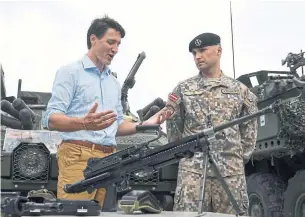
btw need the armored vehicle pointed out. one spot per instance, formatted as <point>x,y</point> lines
<point>276,172</point>
<point>28,160</point>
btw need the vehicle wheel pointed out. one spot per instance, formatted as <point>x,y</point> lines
<point>294,203</point>
<point>167,202</point>
<point>265,193</point>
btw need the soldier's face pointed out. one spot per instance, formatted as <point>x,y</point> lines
<point>107,46</point>
<point>206,57</point>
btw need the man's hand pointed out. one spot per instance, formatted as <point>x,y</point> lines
<point>159,117</point>
<point>98,121</point>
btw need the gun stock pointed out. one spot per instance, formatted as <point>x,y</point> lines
<point>130,80</point>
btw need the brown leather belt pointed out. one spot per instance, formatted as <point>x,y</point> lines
<point>93,146</point>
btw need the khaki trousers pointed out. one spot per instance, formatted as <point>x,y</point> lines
<point>72,160</point>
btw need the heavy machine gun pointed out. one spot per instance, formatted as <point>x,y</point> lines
<point>112,170</point>
<point>294,61</point>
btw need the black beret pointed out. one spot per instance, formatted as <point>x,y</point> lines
<point>203,40</point>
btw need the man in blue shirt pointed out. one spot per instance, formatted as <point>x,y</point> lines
<point>86,107</point>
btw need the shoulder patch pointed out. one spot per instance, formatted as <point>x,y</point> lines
<point>174,98</point>
<point>251,102</point>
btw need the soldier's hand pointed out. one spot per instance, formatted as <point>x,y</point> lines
<point>98,121</point>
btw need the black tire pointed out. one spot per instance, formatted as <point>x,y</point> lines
<point>295,196</point>
<point>167,202</point>
<point>265,193</point>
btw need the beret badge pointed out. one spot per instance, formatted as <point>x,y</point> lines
<point>198,42</point>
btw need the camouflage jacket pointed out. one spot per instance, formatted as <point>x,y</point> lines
<point>224,99</point>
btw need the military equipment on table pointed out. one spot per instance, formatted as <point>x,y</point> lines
<point>138,200</point>
<point>276,173</point>
<point>19,206</point>
<point>44,202</point>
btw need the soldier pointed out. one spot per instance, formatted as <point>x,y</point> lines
<point>211,98</point>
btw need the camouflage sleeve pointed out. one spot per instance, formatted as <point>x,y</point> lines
<point>248,130</point>
<point>174,125</point>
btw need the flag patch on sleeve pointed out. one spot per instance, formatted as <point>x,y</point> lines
<point>174,98</point>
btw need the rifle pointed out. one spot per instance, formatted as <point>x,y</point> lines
<point>130,81</point>
<point>112,171</point>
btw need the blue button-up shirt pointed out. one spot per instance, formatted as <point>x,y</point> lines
<point>76,88</point>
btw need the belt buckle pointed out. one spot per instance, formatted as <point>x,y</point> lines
<point>100,148</point>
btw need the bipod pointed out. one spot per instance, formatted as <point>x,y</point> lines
<point>209,158</point>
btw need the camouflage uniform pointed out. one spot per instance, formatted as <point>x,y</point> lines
<point>224,99</point>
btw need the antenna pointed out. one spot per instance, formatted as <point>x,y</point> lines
<point>302,66</point>
<point>232,39</point>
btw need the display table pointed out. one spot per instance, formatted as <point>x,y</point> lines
<point>165,214</point>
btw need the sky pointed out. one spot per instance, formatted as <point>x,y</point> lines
<point>38,37</point>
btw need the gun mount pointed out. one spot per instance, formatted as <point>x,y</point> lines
<point>294,61</point>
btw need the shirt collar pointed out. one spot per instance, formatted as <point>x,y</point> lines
<point>88,64</point>
<point>222,80</point>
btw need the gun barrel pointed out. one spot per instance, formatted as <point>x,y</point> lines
<point>7,107</point>
<point>129,81</point>
<point>153,110</point>
<point>10,122</point>
<point>158,102</point>
<point>266,110</point>
<point>19,104</point>
<point>25,116</point>
<point>136,65</point>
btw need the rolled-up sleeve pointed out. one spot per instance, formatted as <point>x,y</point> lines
<point>119,109</point>
<point>62,94</point>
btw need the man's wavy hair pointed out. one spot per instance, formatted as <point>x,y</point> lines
<point>100,26</point>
